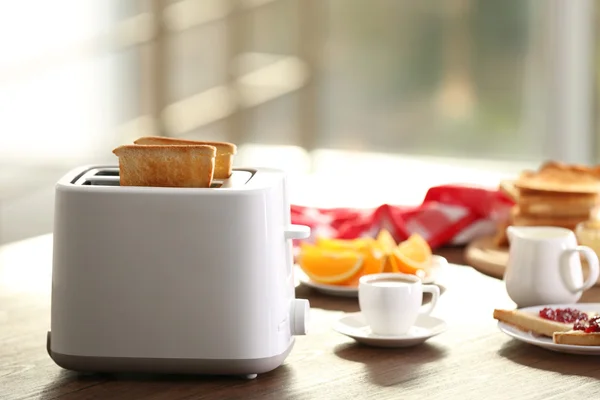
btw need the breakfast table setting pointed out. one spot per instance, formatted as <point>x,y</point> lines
<point>393,302</point>
<point>470,359</point>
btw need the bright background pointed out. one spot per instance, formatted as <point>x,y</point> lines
<point>362,102</point>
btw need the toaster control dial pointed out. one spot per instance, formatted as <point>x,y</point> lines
<point>299,318</point>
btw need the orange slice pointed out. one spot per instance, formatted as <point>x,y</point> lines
<point>329,266</point>
<point>371,250</point>
<point>387,265</point>
<point>413,256</point>
<point>387,244</point>
<point>374,263</point>
<point>386,240</point>
<point>338,244</point>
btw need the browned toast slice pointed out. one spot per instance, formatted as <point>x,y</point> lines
<point>500,239</point>
<point>576,338</point>
<point>508,188</point>
<point>530,322</point>
<point>549,204</point>
<point>166,166</point>
<point>224,156</point>
<point>521,219</point>
<point>560,177</point>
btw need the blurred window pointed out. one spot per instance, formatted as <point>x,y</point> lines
<point>452,90</point>
<point>511,80</point>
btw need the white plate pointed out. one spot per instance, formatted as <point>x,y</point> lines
<point>546,342</point>
<point>354,326</point>
<point>437,262</point>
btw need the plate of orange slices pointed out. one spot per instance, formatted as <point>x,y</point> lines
<point>334,266</point>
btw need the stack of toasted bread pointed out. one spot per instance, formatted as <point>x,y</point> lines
<point>167,162</point>
<point>560,332</point>
<point>555,195</point>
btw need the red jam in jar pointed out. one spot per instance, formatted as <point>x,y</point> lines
<point>588,326</point>
<point>564,315</point>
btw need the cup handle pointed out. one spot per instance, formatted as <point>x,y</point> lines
<point>435,293</point>
<point>592,260</point>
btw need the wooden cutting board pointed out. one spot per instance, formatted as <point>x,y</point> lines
<point>483,255</point>
<point>487,258</point>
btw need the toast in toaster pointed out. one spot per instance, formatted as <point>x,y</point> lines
<point>166,166</point>
<point>577,338</point>
<point>530,322</point>
<point>223,160</point>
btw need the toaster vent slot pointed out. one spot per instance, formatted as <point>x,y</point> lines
<point>109,176</point>
<point>101,176</point>
<point>108,172</point>
<point>102,181</point>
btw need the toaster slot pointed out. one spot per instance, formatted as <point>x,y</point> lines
<point>109,176</point>
<point>108,172</point>
<point>100,176</point>
<point>238,178</point>
<point>102,181</point>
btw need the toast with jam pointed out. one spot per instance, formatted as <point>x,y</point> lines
<point>563,325</point>
<point>535,323</point>
<point>584,333</point>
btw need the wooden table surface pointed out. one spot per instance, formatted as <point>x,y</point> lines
<point>472,359</point>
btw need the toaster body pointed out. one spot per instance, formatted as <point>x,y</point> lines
<point>176,280</point>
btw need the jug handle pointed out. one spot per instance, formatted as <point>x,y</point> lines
<point>592,261</point>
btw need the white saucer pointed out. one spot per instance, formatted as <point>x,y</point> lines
<point>354,326</point>
<point>546,342</point>
<point>438,262</point>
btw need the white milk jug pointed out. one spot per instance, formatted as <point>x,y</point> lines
<point>544,266</point>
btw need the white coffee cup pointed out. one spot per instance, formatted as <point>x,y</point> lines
<point>391,302</point>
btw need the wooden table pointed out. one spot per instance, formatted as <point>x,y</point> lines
<point>472,359</point>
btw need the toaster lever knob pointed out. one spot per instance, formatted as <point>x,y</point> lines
<point>299,318</point>
<point>297,232</point>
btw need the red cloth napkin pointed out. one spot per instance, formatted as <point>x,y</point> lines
<point>449,214</point>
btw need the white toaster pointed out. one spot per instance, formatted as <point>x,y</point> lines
<point>174,280</point>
